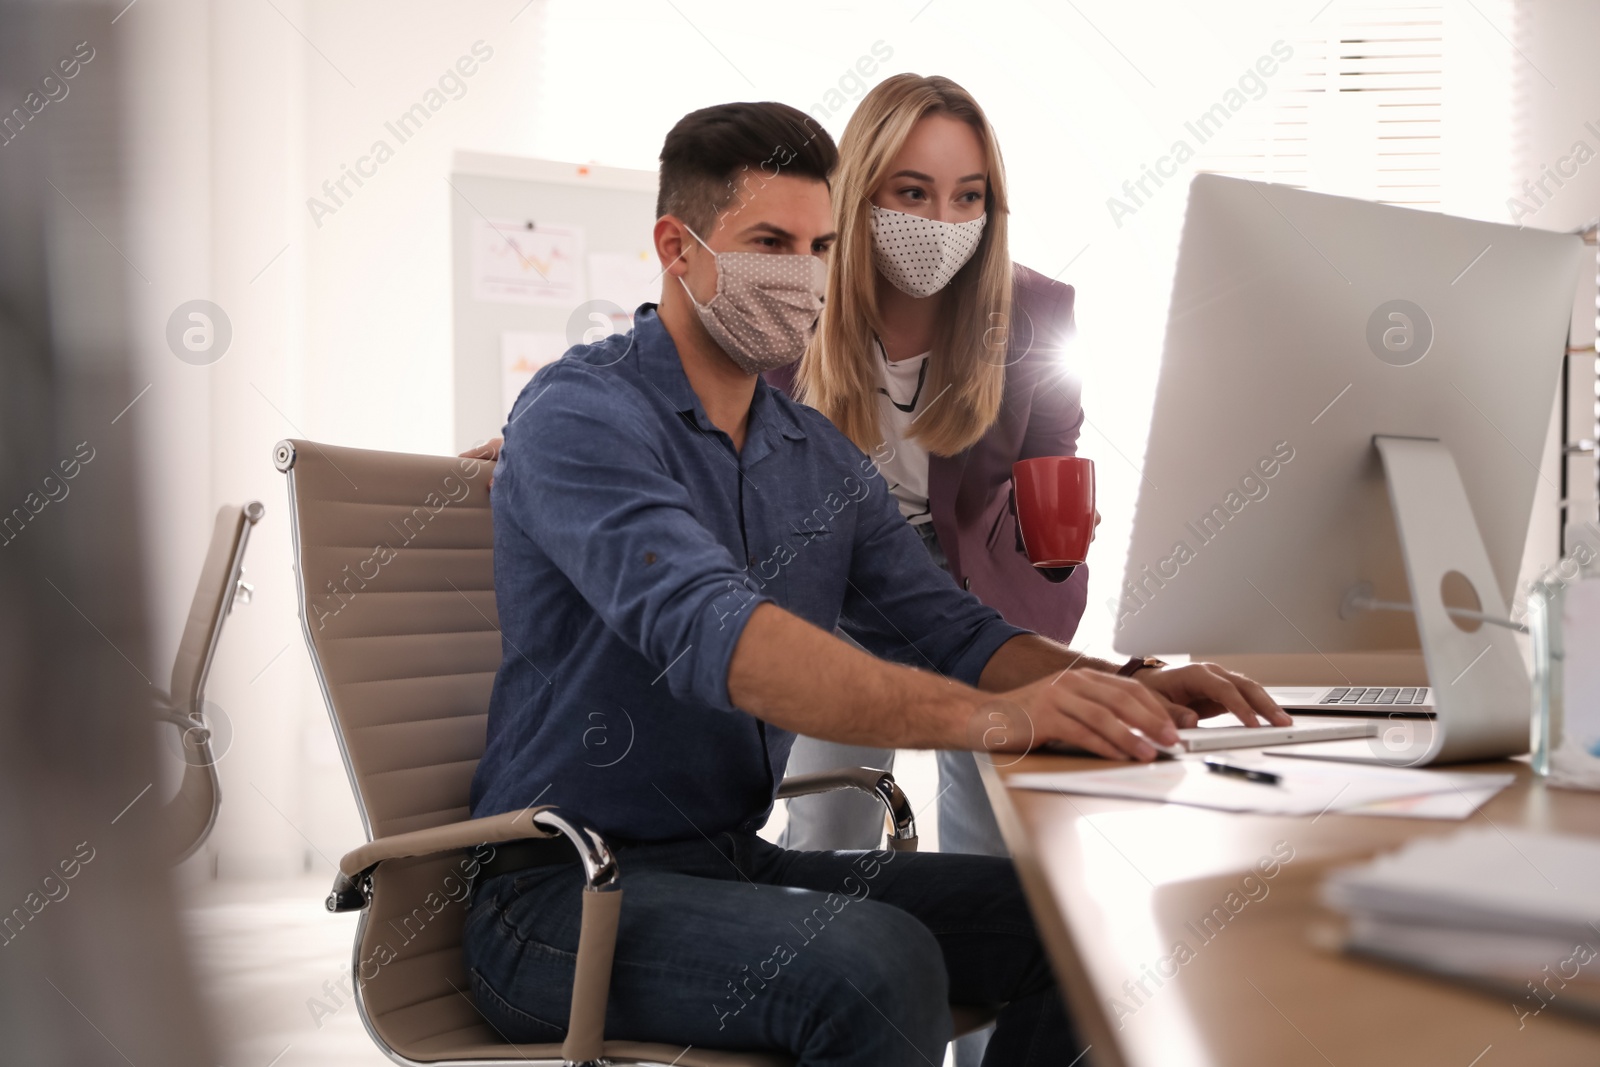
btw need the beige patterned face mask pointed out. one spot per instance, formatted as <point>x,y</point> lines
<point>765,308</point>
<point>919,256</point>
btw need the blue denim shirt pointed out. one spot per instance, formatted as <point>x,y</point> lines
<point>632,542</point>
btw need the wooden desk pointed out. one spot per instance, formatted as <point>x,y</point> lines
<point>1118,885</point>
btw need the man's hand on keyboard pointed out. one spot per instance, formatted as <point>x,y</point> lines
<point>1201,690</point>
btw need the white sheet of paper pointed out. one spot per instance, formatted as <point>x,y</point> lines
<point>517,261</point>
<point>625,279</point>
<point>1458,804</point>
<point>521,355</point>
<point>1305,789</point>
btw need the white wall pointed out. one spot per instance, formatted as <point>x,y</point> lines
<point>341,331</point>
<point>1558,98</point>
<point>215,133</point>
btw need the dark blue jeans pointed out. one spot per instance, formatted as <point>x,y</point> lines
<point>838,958</point>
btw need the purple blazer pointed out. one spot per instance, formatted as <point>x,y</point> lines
<point>970,494</point>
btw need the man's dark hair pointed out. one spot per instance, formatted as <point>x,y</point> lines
<point>717,154</point>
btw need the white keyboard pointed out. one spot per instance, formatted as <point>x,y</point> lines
<point>1215,738</point>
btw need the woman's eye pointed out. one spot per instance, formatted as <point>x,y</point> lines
<point>911,194</point>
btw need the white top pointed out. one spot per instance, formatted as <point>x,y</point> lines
<point>902,460</point>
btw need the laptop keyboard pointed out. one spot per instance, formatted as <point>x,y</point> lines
<point>1372,696</point>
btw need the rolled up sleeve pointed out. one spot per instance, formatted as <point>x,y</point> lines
<point>902,606</point>
<point>590,490</point>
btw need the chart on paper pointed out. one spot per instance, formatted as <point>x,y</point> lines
<point>544,255</point>
<point>522,353</point>
<point>519,261</point>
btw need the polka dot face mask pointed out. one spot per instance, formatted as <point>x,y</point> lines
<point>766,306</point>
<point>919,256</point>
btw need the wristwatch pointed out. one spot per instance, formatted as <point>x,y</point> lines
<point>1139,663</point>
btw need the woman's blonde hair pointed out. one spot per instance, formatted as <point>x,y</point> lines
<point>966,372</point>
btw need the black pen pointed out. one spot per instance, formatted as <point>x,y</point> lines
<point>1249,774</point>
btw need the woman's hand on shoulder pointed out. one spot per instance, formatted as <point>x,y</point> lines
<point>489,450</point>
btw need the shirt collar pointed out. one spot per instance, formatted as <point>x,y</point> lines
<point>660,365</point>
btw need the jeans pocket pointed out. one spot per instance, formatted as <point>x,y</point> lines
<point>522,881</point>
<point>513,1023</point>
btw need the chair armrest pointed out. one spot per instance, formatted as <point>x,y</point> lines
<point>602,900</point>
<point>507,826</point>
<point>600,868</point>
<point>881,784</point>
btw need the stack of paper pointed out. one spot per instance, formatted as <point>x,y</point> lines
<point>1513,910</point>
<point>1305,788</point>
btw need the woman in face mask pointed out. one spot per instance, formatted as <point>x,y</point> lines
<point>945,363</point>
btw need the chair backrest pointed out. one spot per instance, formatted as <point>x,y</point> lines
<point>188,817</point>
<point>213,599</point>
<point>395,557</point>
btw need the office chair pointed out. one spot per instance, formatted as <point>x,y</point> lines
<point>394,561</point>
<point>189,816</point>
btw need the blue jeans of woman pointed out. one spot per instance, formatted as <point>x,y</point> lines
<point>841,959</point>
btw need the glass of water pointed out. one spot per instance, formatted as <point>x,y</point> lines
<point>1564,623</point>
<point>1549,661</point>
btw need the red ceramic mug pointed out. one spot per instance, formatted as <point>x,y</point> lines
<point>1055,509</point>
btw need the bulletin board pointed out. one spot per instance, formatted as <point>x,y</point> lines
<point>544,255</point>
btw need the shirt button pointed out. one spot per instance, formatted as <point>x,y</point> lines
<point>752,561</point>
<point>966,583</point>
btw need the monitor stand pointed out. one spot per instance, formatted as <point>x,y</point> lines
<point>1481,693</point>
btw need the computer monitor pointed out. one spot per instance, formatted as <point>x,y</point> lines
<point>1301,327</point>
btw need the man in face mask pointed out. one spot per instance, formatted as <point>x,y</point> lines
<point>675,542</point>
<point>744,285</point>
